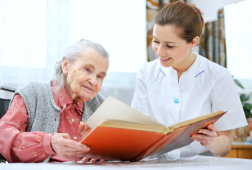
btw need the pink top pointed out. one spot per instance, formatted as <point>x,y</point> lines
<point>17,145</point>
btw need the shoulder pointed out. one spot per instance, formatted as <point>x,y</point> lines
<point>95,102</point>
<point>97,99</point>
<point>91,106</point>
<point>150,69</point>
<point>213,70</point>
<point>34,86</point>
<point>36,95</point>
<point>151,66</point>
<point>35,90</point>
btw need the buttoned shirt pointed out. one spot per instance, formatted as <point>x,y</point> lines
<point>205,87</point>
<point>36,146</point>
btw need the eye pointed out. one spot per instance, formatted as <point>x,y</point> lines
<point>87,69</point>
<point>155,41</point>
<point>169,46</point>
<point>100,77</point>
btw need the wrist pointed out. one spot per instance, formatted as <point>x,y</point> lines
<point>47,144</point>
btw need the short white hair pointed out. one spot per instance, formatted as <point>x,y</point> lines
<point>72,53</point>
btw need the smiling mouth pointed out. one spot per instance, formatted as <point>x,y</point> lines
<point>88,88</point>
<point>165,59</point>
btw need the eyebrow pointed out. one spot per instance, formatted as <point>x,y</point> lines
<point>164,41</point>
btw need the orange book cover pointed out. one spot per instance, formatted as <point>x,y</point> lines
<point>120,132</point>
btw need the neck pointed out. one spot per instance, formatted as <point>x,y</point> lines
<point>70,92</point>
<point>185,65</point>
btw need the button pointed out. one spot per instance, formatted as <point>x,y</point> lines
<point>75,137</point>
<point>176,101</point>
<point>72,120</point>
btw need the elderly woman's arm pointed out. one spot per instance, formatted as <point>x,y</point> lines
<point>16,145</point>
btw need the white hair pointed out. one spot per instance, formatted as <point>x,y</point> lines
<point>72,53</point>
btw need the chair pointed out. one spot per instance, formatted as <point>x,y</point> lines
<point>4,104</point>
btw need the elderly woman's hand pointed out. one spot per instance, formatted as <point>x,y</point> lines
<point>65,147</point>
<point>92,159</point>
<point>84,130</point>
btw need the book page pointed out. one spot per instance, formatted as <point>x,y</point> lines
<point>113,109</point>
<point>135,126</point>
<point>197,119</point>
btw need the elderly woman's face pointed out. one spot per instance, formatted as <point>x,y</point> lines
<point>84,77</point>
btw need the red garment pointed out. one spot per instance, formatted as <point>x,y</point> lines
<point>16,145</point>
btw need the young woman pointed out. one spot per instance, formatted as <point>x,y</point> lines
<point>181,84</point>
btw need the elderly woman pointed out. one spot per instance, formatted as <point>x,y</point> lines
<point>45,120</point>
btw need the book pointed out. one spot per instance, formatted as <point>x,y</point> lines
<point>119,132</point>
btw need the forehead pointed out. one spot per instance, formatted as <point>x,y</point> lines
<point>166,32</point>
<point>90,57</point>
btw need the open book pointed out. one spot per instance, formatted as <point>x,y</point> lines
<point>119,132</point>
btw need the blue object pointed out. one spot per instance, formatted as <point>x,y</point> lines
<point>176,101</point>
<point>199,73</point>
<point>162,72</point>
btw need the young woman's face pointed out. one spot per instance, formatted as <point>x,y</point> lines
<point>172,50</point>
<point>85,76</point>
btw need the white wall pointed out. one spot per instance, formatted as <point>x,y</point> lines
<point>210,8</point>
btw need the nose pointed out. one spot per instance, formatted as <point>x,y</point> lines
<point>93,80</point>
<point>160,51</point>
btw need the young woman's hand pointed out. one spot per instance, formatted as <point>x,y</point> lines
<point>218,143</point>
<point>206,136</point>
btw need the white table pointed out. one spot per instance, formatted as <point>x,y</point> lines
<point>193,163</point>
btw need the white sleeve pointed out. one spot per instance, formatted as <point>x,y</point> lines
<point>140,97</point>
<point>225,97</point>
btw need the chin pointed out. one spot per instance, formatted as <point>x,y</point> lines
<point>165,65</point>
<point>87,97</point>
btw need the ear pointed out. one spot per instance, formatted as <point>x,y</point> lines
<point>195,42</point>
<point>65,65</point>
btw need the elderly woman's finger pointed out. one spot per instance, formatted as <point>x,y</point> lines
<point>102,160</point>
<point>93,160</point>
<point>81,126</point>
<point>84,129</point>
<point>84,159</point>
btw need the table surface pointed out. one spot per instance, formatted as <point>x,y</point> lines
<point>247,145</point>
<point>192,163</point>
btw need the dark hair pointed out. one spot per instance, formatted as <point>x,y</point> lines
<point>184,16</point>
